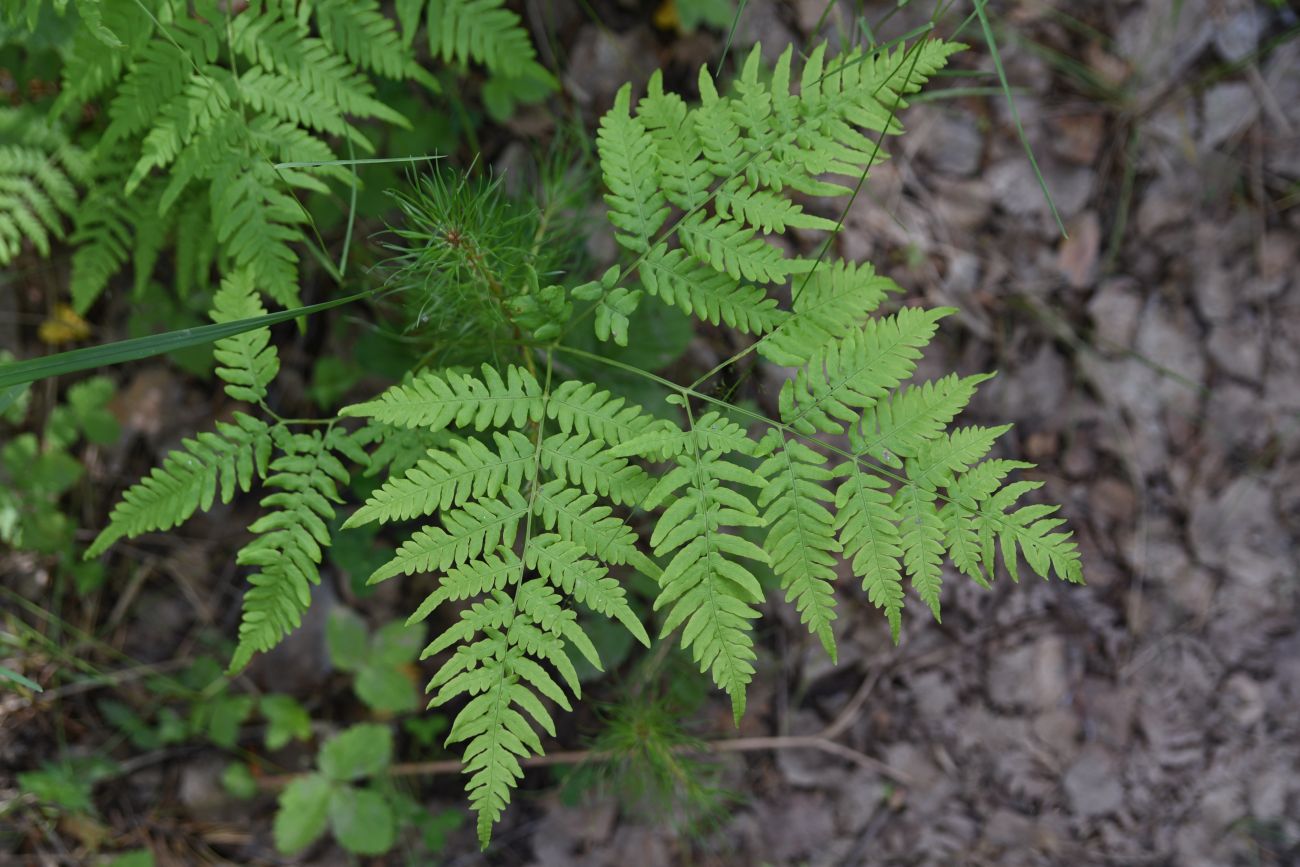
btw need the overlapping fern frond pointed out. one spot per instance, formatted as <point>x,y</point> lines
<point>40,170</point>
<point>201,96</point>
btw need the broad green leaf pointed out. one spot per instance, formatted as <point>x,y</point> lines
<point>396,643</point>
<point>386,689</point>
<point>362,821</point>
<point>361,751</point>
<point>286,720</point>
<point>345,636</point>
<point>303,812</point>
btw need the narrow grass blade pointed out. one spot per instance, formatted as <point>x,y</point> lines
<point>21,372</point>
<point>1015,113</point>
<point>13,676</point>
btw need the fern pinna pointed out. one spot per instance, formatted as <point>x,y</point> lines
<point>529,482</point>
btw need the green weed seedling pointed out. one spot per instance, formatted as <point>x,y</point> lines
<point>360,818</point>
<point>381,665</point>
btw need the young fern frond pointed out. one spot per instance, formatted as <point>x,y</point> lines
<point>482,31</point>
<point>801,531</point>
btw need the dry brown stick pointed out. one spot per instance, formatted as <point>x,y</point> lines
<point>577,757</point>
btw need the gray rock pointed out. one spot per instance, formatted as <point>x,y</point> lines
<point>1092,784</point>
<point>1237,28</point>
<point>796,827</point>
<point>1237,531</point>
<point>1114,309</point>
<point>1213,289</point>
<point>1031,675</point>
<point>860,797</point>
<point>1168,339</point>
<point>1238,348</point>
<point>1227,109</point>
<point>602,60</point>
<point>951,142</point>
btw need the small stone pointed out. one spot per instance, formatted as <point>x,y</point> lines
<point>1092,784</point>
<point>953,144</point>
<point>1238,25</point>
<point>1031,675</point>
<point>797,827</point>
<point>1008,829</point>
<point>1238,348</point>
<point>1221,806</point>
<point>1238,531</point>
<point>1114,310</point>
<point>1109,712</point>
<point>861,796</point>
<point>637,844</point>
<point>1112,502</point>
<point>1228,109</point>
<point>1212,287</point>
<point>1058,730</point>
<point>1164,204</point>
<point>1243,700</point>
<point>1167,339</point>
<point>1237,419</point>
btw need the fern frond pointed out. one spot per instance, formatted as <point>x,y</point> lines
<point>247,362</point>
<point>37,168</point>
<point>103,236</point>
<point>487,498</point>
<point>279,47</point>
<point>921,538</point>
<point>705,587</point>
<point>256,226</point>
<point>361,32</point>
<point>736,250</point>
<point>683,174</point>
<point>287,547</point>
<point>1030,530</point>
<point>212,465</point>
<point>901,425</point>
<point>465,533</point>
<point>450,477</point>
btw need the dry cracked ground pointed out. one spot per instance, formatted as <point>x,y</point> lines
<point>1151,364</point>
